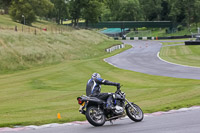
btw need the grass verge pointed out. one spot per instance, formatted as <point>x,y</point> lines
<point>183,54</point>
<point>171,43</point>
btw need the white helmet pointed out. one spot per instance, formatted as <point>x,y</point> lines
<point>96,75</point>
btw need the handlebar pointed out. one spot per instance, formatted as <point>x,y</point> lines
<point>118,89</point>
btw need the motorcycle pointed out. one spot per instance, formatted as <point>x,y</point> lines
<point>97,114</point>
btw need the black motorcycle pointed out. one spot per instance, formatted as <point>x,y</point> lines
<point>96,113</point>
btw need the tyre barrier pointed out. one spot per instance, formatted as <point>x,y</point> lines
<point>113,48</point>
<point>192,42</point>
<point>135,38</point>
<point>152,38</point>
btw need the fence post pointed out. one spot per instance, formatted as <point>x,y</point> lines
<point>15,28</point>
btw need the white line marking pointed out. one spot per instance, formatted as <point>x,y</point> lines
<point>109,63</point>
<point>158,55</point>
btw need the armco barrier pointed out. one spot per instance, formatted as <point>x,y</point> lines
<point>113,48</point>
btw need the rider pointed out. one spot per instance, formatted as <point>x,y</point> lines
<point>93,89</point>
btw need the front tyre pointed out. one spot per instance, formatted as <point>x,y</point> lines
<point>134,113</point>
<point>95,116</point>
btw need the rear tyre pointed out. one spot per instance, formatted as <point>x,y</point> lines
<point>135,113</point>
<point>95,116</point>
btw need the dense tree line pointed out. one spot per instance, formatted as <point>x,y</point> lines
<point>183,12</point>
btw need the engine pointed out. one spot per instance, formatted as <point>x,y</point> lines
<point>119,110</point>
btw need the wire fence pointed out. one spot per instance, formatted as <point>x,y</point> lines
<point>36,30</point>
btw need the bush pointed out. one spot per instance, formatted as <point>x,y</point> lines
<point>22,7</point>
<point>180,27</point>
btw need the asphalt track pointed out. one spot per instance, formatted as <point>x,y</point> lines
<point>183,121</point>
<point>143,57</point>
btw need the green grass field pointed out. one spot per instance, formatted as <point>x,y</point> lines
<point>185,55</point>
<point>42,75</point>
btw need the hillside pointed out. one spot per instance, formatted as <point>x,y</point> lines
<point>22,50</point>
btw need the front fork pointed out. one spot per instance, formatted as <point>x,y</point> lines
<point>130,104</point>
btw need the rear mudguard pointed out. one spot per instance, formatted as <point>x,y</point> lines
<point>90,101</point>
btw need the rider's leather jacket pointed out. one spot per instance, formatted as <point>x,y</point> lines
<point>93,87</point>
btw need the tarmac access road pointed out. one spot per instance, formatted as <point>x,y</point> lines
<point>144,58</point>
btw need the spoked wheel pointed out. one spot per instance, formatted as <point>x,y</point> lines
<point>95,116</point>
<point>134,113</point>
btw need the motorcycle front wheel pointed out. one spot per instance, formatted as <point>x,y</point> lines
<point>134,113</point>
<point>95,116</point>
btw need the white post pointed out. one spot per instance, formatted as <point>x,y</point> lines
<point>24,19</point>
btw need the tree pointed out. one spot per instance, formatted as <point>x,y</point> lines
<point>92,11</point>
<point>181,11</point>
<point>22,7</point>
<point>42,7</point>
<point>5,4</point>
<point>60,10</point>
<point>165,10</point>
<point>75,7</point>
<point>129,11</point>
<point>113,9</point>
<point>196,12</point>
<point>29,9</point>
<point>151,9</point>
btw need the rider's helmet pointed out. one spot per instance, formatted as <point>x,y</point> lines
<point>96,75</point>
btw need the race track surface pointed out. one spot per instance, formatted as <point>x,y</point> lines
<point>143,57</point>
<point>185,121</point>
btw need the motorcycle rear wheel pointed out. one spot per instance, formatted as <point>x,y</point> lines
<point>136,114</point>
<point>95,116</point>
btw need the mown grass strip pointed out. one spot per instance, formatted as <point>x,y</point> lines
<point>171,43</point>
<point>185,55</point>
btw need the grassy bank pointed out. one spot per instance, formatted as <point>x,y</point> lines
<point>185,55</point>
<point>19,51</point>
